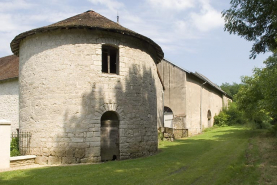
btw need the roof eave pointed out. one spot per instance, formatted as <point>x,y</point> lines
<point>16,41</point>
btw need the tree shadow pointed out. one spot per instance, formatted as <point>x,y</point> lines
<point>133,97</point>
<point>70,94</point>
<point>196,160</point>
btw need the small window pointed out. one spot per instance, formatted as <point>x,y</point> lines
<point>110,60</point>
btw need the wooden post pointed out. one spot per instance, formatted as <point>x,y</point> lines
<point>5,140</point>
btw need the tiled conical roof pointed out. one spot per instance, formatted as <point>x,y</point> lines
<point>9,67</point>
<point>90,20</point>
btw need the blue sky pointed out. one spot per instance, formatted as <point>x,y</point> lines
<point>190,32</point>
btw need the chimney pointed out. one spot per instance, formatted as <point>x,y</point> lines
<point>117,18</point>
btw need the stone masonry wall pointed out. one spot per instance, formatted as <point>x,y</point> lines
<point>64,94</point>
<point>9,104</point>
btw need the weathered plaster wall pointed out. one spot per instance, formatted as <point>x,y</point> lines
<point>211,100</point>
<point>226,101</point>
<point>160,106</point>
<point>63,95</point>
<point>174,80</point>
<point>9,102</point>
<point>193,105</point>
<point>183,92</point>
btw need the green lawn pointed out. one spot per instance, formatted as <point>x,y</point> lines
<point>227,155</point>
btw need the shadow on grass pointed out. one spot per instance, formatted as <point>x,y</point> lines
<point>209,158</point>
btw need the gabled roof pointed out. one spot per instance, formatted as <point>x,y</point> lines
<point>89,20</point>
<point>9,67</point>
<point>201,77</point>
<point>207,80</point>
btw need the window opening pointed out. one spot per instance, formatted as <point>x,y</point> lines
<point>109,59</point>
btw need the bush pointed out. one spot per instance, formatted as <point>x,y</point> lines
<point>221,119</point>
<point>14,147</point>
<point>235,115</point>
<point>230,116</point>
<point>160,135</point>
<point>273,130</point>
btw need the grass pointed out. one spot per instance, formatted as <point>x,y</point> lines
<point>227,155</point>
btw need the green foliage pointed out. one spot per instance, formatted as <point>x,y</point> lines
<point>222,118</point>
<point>14,149</point>
<point>235,115</point>
<point>230,116</point>
<point>231,89</point>
<point>273,130</point>
<point>257,98</point>
<point>160,136</point>
<point>268,81</point>
<point>254,20</point>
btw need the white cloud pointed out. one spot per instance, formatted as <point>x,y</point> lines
<point>184,30</point>
<point>207,19</point>
<point>172,4</point>
<point>112,5</point>
<point>9,5</point>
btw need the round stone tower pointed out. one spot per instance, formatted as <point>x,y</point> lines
<point>88,90</point>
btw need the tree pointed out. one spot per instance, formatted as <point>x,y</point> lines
<point>268,81</point>
<point>231,89</point>
<point>257,98</point>
<point>254,20</point>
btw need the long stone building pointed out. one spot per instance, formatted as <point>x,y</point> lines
<point>90,90</point>
<point>191,100</point>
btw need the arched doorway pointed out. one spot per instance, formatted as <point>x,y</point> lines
<point>209,116</point>
<point>109,136</point>
<point>168,117</point>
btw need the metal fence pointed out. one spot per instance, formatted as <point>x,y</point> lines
<point>23,141</point>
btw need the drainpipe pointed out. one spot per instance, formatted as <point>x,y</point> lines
<point>201,106</point>
<point>163,109</point>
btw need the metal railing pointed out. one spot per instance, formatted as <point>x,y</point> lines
<point>23,141</point>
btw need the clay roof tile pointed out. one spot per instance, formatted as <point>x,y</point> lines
<point>9,67</point>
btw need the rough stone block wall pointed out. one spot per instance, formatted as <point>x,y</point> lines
<point>9,103</point>
<point>24,162</point>
<point>64,94</point>
<point>180,130</point>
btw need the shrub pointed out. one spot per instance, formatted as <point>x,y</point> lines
<point>14,147</point>
<point>273,130</point>
<point>221,119</point>
<point>235,115</point>
<point>160,135</point>
<point>230,116</point>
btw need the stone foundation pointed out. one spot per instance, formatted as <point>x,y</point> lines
<point>22,161</point>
